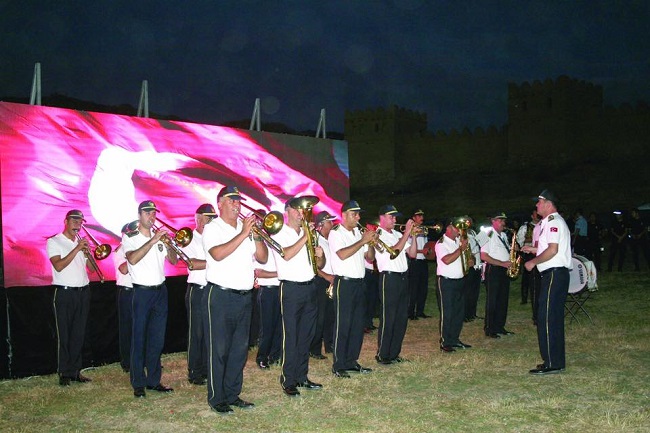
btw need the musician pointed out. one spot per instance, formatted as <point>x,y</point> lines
<point>473,278</point>
<point>269,348</point>
<point>325,319</point>
<point>418,272</point>
<point>124,300</point>
<point>393,285</point>
<point>371,294</point>
<point>496,255</point>
<point>451,285</point>
<point>348,250</point>
<point>553,260</point>
<point>525,238</point>
<point>71,296</point>
<point>197,357</point>
<point>298,298</point>
<point>146,254</point>
<point>230,245</point>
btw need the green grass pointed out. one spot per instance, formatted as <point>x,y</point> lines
<point>483,389</point>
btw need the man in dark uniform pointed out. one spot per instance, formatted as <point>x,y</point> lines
<point>618,233</point>
<point>418,272</point>
<point>553,260</point>
<point>230,246</point>
<point>71,296</point>
<point>638,239</point>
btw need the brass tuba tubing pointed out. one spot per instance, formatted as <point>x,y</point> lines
<point>306,205</point>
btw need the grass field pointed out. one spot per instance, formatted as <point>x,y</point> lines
<point>483,389</point>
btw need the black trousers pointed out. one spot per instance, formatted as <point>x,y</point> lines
<point>227,324</point>
<point>452,308</point>
<point>349,309</point>
<point>299,310</point>
<point>197,355</point>
<point>125,323</point>
<point>418,286</point>
<point>270,341</point>
<point>526,279</point>
<point>393,317</point>
<point>536,288</point>
<point>371,290</point>
<point>71,307</point>
<point>616,248</point>
<point>550,316</point>
<point>472,291</point>
<point>324,306</point>
<point>497,286</point>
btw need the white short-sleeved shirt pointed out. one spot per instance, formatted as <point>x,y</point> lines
<point>554,230</point>
<point>496,246</point>
<point>447,246</point>
<point>268,266</point>
<point>473,242</point>
<point>536,231</point>
<point>353,266</point>
<point>119,257</point>
<point>298,268</point>
<point>421,240</point>
<point>150,270</point>
<point>195,251</point>
<point>325,245</point>
<point>73,275</point>
<point>384,263</point>
<point>236,270</point>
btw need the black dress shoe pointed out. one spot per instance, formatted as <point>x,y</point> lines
<point>341,373</point>
<point>447,349</point>
<point>161,388</point>
<point>359,369</point>
<point>317,356</point>
<point>505,332</point>
<point>461,345</point>
<point>424,316</point>
<point>64,381</point>
<point>291,391</point>
<point>381,360</point>
<point>263,365</point>
<point>493,335</point>
<point>399,359</point>
<point>139,393</point>
<point>308,384</point>
<point>242,404</point>
<point>222,408</point>
<point>545,370</point>
<point>126,369</point>
<point>413,317</point>
<point>197,381</point>
<point>81,379</point>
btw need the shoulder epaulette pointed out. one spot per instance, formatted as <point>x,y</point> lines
<point>551,218</point>
<point>490,233</point>
<point>336,226</point>
<point>132,233</point>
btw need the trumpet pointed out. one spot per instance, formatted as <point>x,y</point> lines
<point>100,252</point>
<point>379,245</point>
<point>306,205</point>
<point>181,238</point>
<point>266,225</point>
<point>420,229</point>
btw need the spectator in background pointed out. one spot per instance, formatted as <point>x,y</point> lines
<point>594,238</point>
<point>618,233</point>
<point>638,239</point>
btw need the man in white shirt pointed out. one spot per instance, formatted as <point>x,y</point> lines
<point>197,357</point>
<point>348,250</point>
<point>418,273</point>
<point>451,282</point>
<point>230,246</point>
<point>124,300</point>
<point>496,255</point>
<point>71,296</point>
<point>393,285</point>
<point>298,298</point>
<point>553,260</point>
<point>269,348</point>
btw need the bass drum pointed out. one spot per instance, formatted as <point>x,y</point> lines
<point>582,276</point>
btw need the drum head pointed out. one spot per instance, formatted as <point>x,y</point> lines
<point>577,276</point>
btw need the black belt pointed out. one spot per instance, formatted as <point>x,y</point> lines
<point>156,287</point>
<point>128,289</point>
<point>226,289</point>
<point>372,271</point>
<point>349,278</point>
<point>448,278</point>
<point>196,286</point>
<point>70,288</point>
<point>393,273</point>
<point>552,269</point>
<point>269,287</point>
<point>300,283</point>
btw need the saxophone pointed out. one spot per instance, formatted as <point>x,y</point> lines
<point>515,259</point>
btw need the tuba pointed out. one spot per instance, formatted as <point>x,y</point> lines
<point>306,205</point>
<point>181,238</point>
<point>463,223</point>
<point>515,259</point>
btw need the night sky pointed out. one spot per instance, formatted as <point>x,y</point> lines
<point>207,60</point>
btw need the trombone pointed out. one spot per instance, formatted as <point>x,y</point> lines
<point>380,245</point>
<point>181,238</point>
<point>266,225</point>
<point>421,229</point>
<point>100,252</point>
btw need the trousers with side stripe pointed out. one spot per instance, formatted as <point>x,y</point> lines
<point>196,346</point>
<point>71,309</point>
<point>550,316</point>
<point>349,314</point>
<point>393,317</point>
<point>452,309</point>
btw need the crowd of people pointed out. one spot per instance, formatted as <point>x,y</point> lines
<point>313,286</point>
